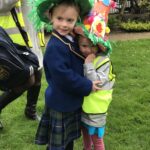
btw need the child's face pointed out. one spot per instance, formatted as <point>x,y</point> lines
<point>64,18</point>
<point>86,46</point>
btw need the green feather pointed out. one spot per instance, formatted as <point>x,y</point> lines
<point>96,40</point>
<point>92,2</point>
<point>39,7</point>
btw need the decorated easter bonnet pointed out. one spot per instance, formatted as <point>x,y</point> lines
<point>41,8</point>
<point>94,25</point>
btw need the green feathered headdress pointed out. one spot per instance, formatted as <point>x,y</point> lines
<point>40,9</point>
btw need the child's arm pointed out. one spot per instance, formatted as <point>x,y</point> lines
<point>57,62</point>
<point>6,6</point>
<point>100,74</point>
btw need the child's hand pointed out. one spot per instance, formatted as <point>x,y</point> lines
<point>95,86</point>
<point>90,58</point>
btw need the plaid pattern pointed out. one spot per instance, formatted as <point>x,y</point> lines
<point>57,129</point>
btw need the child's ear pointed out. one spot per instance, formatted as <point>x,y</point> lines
<point>50,17</point>
<point>78,30</point>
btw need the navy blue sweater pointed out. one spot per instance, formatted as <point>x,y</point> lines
<point>64,74</point>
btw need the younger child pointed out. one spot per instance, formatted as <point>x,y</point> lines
<point>97,66</point>
<point>94,45</point>
<point>63,64</point>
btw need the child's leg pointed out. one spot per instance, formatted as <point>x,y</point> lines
<point>98,142</point>
<point>87,141</point>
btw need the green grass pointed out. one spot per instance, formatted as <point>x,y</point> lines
<point>128,123</point>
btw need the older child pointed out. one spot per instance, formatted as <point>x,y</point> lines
<point>63,64</point>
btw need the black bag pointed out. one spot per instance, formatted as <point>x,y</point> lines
<point>17,62</point>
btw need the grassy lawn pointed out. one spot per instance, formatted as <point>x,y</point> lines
<point>128,123</point>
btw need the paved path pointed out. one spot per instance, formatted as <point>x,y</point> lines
<point>129,36</point>
<point>116,36</point>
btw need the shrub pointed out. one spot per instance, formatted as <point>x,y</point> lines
<point>135,26</point>
<point>113,22</point>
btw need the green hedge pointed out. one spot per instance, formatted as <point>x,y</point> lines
<point>135,26</point>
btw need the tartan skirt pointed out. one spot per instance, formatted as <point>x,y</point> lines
<point>57,129</point>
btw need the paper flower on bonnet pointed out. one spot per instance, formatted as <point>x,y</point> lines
<point>94,25</point>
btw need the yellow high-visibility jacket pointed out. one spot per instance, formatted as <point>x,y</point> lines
<point>101,69</point>
<point>8,23</point>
